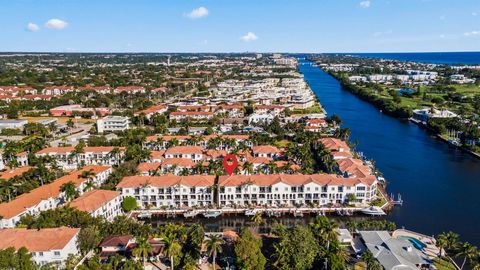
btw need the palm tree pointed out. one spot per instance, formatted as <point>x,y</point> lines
<point>172,248</point>
<point>142,249</point>
<point>70,190</point>
<point>214,245</point>
<point>89,176</point>
<point>467,251</point>
<point>248,168</point>
<point>442,242</point>
<point>257,218</point>
<point>6,189</point>
<point>272,167</point>
<point>453,240</point>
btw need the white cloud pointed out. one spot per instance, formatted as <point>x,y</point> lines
<point>442,36</point>
<point>198,13</point>
<point>474,13</point>
<point>56,24</point>
<point>32,27</point>
<point>365,4</point>
<point>250,36</point>
<point>471,33</point>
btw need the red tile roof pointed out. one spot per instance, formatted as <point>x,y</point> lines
<point>37,240</point>
<point>167,181</point>
<point>92,200</point>
<point>27,200</point>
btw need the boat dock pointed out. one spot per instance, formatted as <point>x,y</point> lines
<point>272,212</point>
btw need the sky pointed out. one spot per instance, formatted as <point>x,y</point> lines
<point>239,25</point>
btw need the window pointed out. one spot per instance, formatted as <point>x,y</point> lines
<point>40,254</point>
<point>56,253</point>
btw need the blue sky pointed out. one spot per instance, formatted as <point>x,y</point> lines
<point>239,25</point>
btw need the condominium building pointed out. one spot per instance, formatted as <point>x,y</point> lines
<point>296,189</point>
<point>51,245</point>
<point>112,123</point>
<point>48,196</point>
<point>169,190</point>
<point>100,203</point>
<point>67,158</point>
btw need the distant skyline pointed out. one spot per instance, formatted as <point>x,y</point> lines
<point>239,26</point>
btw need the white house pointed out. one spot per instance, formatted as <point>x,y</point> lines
<point>112,123</point>
<point>52,245</point>
<point>100,203</point>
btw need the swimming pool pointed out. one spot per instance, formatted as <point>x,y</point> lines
<point>416,243</point>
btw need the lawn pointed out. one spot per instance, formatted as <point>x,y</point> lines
<point>443,264</point>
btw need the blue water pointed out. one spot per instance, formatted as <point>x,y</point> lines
<point>439,185</point>
<point>449,58</point>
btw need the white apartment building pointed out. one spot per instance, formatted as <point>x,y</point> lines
<point>295,189</point>
<point>112,123</point>
<point>195,153</point>
<point>52,245</point>
<point>48,196</point>
<point>100,203</point>
<point>91,155</point>
<point>169,190</point>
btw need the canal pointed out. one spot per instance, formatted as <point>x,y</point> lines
<point>439,184</point>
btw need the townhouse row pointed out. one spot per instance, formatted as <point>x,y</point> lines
<point>273,190</point>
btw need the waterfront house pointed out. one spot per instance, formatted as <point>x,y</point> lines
<point>394,253</point>
<point>295,189</point>
<point>169,190</point>
<point>112,123</point>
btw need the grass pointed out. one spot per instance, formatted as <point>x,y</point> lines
<point>443,264</point>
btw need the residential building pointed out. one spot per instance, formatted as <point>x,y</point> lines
<point>294,189</point>
<point>49,245</point>
<point>169,190</point>
<point>394,253</point>
<point>12,124</point>
<point>157,109</point>
<point>112,123</point>
<point>91,155</point>
<point>423,115</point>
<point>100,203</point>
<point>191,115</point>
<point>48,196</point>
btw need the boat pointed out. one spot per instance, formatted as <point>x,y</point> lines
<point>212,213</point>
<point>339,212</point>
<point>297,213</point>
<point>171,215</point>
<point>251,212</point>
<point>144,215</point>
<point>190,214</point>
<point>373,211</point>
<point>320,213</point>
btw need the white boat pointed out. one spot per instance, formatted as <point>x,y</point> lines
<point>212,213</point>
<point>251,212</point>
<point>190,214</point>
<point>144,215</point>
<point>373,211</point>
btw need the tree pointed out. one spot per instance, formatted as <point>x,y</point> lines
<point>248,251</point>
<point>468,252</point>
<point>88,239</point>
<point>172,248</point>
<point>129,203</point>
<point>70,123</point>
<point>70,190</point>
<point>6,190</point>
<point>297,249</point>
<point>142,249</point>
<point>214,245</point>
<point>370,261</point>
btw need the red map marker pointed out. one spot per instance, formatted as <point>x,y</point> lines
<point>230,163</point>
